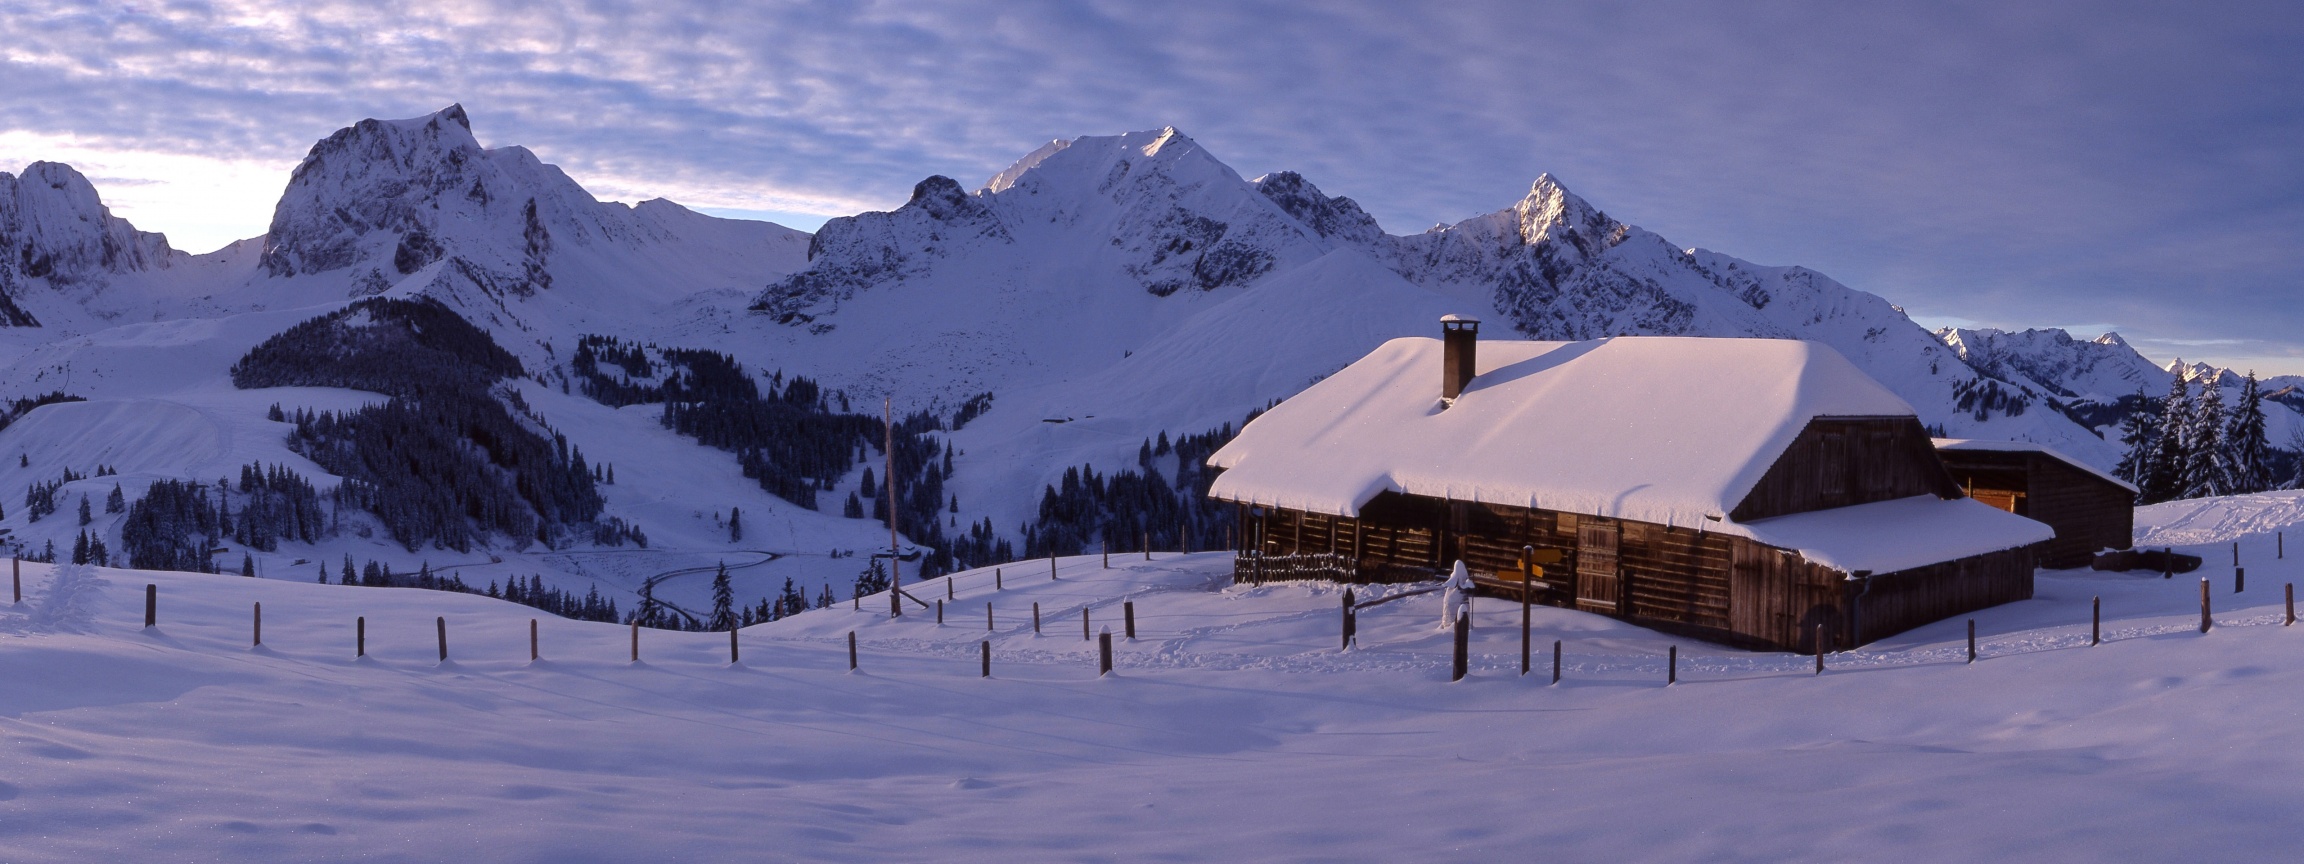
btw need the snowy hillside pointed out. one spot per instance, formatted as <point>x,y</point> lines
<point>1233,727</point>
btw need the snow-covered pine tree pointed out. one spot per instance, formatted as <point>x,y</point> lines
<point>116,502</point>
<point>735,525</point>
<point>2207,470</point>
<point>247,565</point>
<point>854,509</point>
<point>2140,433</point>
<point>2244,440</point>
<point>723,601</point>
<point>86,515</point>
<point>2164,472</point>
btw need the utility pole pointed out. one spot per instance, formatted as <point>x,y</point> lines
<point>895,564</point>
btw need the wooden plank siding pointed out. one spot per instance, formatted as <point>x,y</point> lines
<point>1839,461</point>
<point>2087,512</point>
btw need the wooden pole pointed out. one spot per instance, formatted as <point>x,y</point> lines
<point>635,641</point>
<point>1527,587</point>
<point>987,617</point>
<point>1104,652</point>
<point>986,647</point>
<point>732,655</point>
<point>440,624</point>
<point>996,582</point>
<point>2291,606</point>
<point>360,636</point>
<point>2096,621</point>
<point>1819,649</point>
<point>948,593</point>
<point>1972,638</point>
<point>1555,661</point>
<point>1671,665</point>
<point>1051,568</point>
<point>1084,624</point>
<point>1107,550</point>
<point>533,654</point>
<point>258,626</point>
<point>1463,648</point>
<point>851,650</point>
<point>2239,579</point>
<point>1128,616</point>
<point>895,564</point>
<point>151,606</point>
<point>2235,553</point>
<point>1147,544</point>
<point>1344,623</point>
<point>16,574</point>
<point>939,613</point>
<point>2205,621</point>
<point>1035,617</point>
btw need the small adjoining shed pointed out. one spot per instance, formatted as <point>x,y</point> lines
<point>2090,510</point>
<point>1754,492</point>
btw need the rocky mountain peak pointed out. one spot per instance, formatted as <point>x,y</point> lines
<point>55,230</point>
<point>1335,218</point>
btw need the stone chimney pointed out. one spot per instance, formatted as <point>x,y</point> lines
<point>1459,339</point>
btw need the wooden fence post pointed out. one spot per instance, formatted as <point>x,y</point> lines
<point>1463,648</point>
<point>2235,553</point>
<point>940,612</point>
<point>258,626</point>
<point>151,606</point>
<point>635,641</point>
<point>1147,544</point>
<point>1035,617</point>
<point>1672,665</point>
<point>986,647</point>
<point>1104,650</point>
<point>16,574</point>
<point>533,654</point>
<point>1051,567</point>
<point>1972,635</point>
<point>996,581</point>
<point>441,624</point>
<point>851,650</point>
<point>1527,585</point>
<point>1555,661</point>
<point>1128,617</point>
<point>987,617</point>
<point>2205,621</point>
<point>360,636</point>
<point>2096,621</point>
<point>1344,623</point>
<point>1084,624</point>
<point>732,656</point>
<point>2239,579</point>
<point>1819,649</point>
<point>948,592</point>
<point>2291,605</point>
<point>1106,548</point>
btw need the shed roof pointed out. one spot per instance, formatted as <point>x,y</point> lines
<point>1978,445</point>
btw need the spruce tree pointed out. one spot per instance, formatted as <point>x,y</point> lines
<point>735,525</point>
<point>2244,441</point>
<point>2140,433</point>
<point>723,601</point>
<point>80,548</point>
<point>247,565</point>
<point>86,516</point>
<point>116,502</point>
<point>854,509</point>
<point>2164,473</point>
<point>2207,470</point>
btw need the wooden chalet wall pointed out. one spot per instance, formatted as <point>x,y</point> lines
<point>2088,512</point>
<point>1839,461</point>
<point>1713,586</point>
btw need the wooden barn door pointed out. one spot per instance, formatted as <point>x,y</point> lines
<point>1598,587</point>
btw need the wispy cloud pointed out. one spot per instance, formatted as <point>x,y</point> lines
<point>1998,163</point>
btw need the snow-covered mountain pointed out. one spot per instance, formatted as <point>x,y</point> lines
<point>55,234</point>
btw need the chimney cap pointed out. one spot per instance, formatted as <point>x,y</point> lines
<point>1451,319</point>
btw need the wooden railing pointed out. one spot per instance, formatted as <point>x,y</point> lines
<point>1252,568</point>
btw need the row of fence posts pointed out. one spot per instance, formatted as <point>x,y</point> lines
<point>1459,668</point>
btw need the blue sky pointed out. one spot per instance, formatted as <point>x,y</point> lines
<point>2131,166</point>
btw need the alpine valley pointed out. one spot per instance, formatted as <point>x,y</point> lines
<point>454,363</point>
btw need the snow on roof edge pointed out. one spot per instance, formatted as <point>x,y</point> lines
<point>1900,534</point>
<point>1986,445</point>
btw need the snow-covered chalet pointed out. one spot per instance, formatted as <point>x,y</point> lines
<point>1754,492</point>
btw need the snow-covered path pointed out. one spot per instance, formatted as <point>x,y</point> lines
<point>1234,728</point>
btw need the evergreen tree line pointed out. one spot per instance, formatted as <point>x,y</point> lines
<point>19,407</point>
<point>2192,446</point>
<point>172,528</point>
<point>532,593</point>
<point>725,614</point>
<point>1089,511</point>
<point>444,460</point>
<point>277,503</point>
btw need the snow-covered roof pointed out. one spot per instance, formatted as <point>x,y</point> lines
<point>1669,430</point>
<point>1887,536</point>
<point>2028,447</point>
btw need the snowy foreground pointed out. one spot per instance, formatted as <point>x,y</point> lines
<point>1233,729</point>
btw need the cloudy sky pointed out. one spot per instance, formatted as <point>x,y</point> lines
<point>2131,166</point>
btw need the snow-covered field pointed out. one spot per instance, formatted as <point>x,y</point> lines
<point>1234,728</point>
